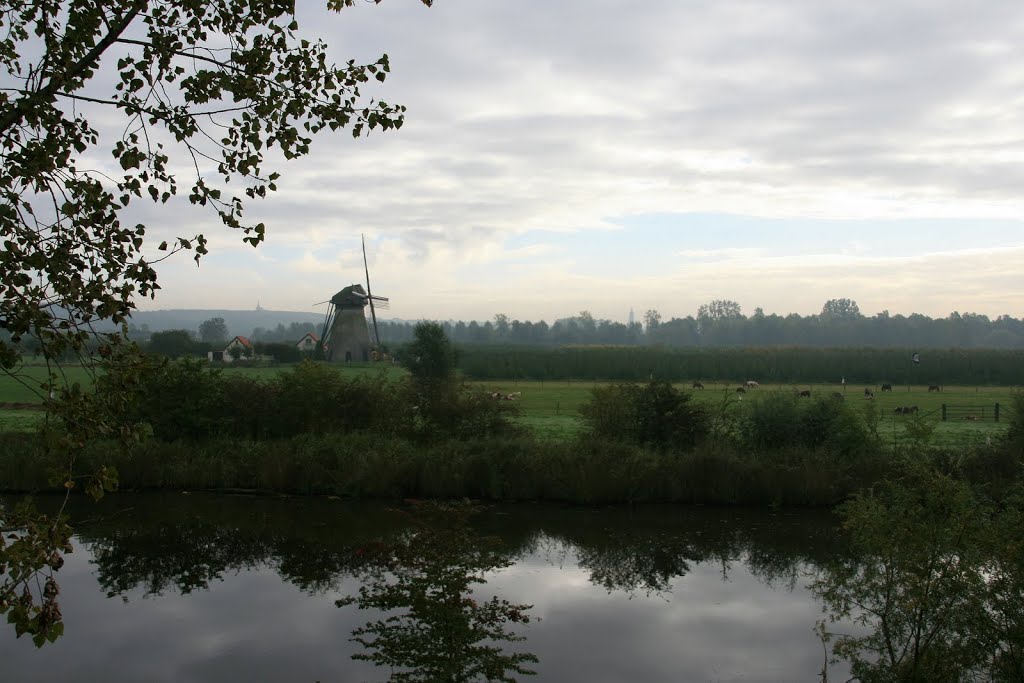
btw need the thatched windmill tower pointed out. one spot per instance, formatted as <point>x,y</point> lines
<point>346,336</point>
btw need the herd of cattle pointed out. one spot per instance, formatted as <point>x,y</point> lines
<point>869,394</point>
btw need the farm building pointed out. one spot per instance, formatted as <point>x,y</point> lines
<point>308,343</point>
<point>244,350</point>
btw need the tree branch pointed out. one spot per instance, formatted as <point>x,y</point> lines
<point>26,104</point>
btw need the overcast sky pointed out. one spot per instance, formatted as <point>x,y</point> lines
<point>598,155</point>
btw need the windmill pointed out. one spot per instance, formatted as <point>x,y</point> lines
<point>346,336</point>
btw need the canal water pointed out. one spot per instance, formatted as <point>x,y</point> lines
<point>201,587</point>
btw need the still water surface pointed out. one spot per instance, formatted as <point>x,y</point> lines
<point>196,587</point>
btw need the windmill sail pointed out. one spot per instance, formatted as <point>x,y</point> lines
<point>369,294</point>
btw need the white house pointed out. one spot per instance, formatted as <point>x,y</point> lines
<point>308,343</point>
<point>244,346</point>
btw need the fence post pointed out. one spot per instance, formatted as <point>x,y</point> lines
<point>943,412</point>
<point>997,412</point>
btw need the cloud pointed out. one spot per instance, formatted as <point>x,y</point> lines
<point>553,125</point>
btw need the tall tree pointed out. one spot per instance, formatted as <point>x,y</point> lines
<point>651,320</point>
<point>213,86</point>
<point>430,356</point>
<point>213,331</point>
<point>719,309</point>
<point>843,309</point>
<point>171,343</point>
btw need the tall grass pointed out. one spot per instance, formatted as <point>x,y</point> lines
<point>368,466</point>
<point>314,432</point>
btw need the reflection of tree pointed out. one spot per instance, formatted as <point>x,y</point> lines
<point>31,547</point>
<point>434,629</point>
<point>184,543</point>
<point>186,556</point>
<point>645,550</point>
<point>631,562</point>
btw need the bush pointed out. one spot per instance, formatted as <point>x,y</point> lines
<point>1015,435</point>
<point>448,410</point>
<point>782,420</point>
<point>178,399</point>
<point>656,415</point>
<point>313,398</point>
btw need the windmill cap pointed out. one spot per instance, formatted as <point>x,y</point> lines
<point>353,295</point>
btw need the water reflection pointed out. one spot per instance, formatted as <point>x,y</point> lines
<point>209,588</point>
<point>433,626</point>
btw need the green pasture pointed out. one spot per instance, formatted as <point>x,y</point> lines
<point>551,409</point>
<point>24,386</point>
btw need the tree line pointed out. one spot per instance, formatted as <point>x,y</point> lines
<point>722,323</point>
<point>784,365</point>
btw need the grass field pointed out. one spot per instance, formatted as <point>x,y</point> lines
<point>551,409</point>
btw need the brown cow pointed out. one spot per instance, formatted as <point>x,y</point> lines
<point>806,393</point>
<point>698,385</point>
<point>886,387</point>
<point>933,387</point>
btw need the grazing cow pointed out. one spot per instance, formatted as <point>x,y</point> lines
<point>868,393</point>
<point>740,390</point>
<point>751,384</point>
<point>933,387</point>
<point>837,396</point>
<point>698,385</point>
<point>886,387</point>
<point>806,393</point>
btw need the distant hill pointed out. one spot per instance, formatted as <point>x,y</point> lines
<point>238,322</point>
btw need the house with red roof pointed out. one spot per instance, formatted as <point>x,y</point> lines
<point>237,349</point>
<point>308,343</point>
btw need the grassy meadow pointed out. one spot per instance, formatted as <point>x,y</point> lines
<point>551,409</point>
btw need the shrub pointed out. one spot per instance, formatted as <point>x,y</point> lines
<point>656,415</point>
<point>446,410</point>
<point>771,421</point>
<point>781,420</point>
<point>178,399</point>
<point>313,398</point>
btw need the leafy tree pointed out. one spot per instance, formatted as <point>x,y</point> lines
<point>843,309</point>
<point>651,320</point>
<point>213,331</point>
<point>501,326</point>
<point>171,343</point>
<point>430,356</point>
<point>215,86</point>
<point>934,585</point>
<point>719,309</point>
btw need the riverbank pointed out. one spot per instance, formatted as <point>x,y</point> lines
<point>367,466</point>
